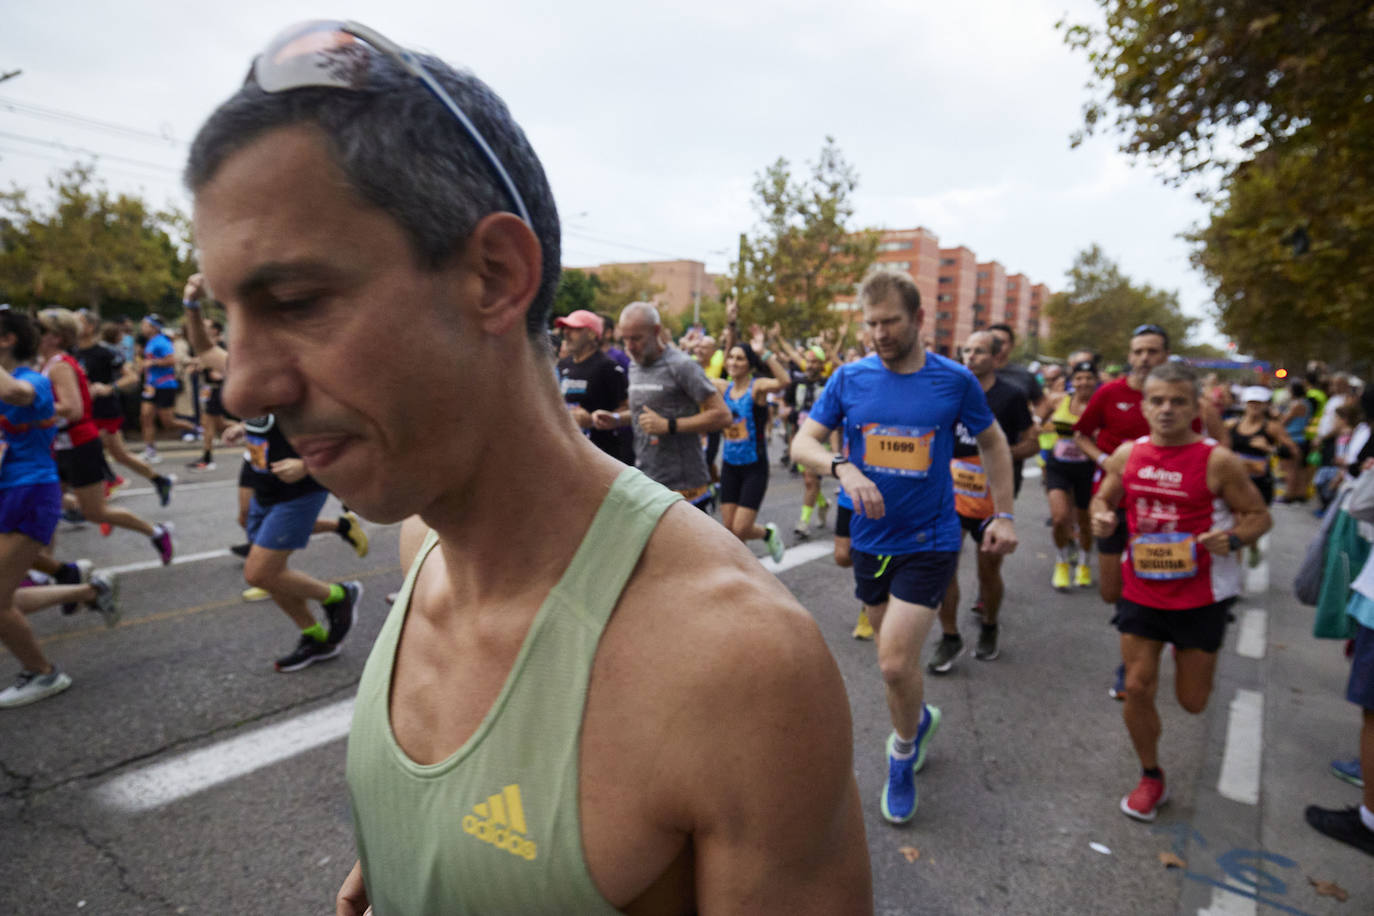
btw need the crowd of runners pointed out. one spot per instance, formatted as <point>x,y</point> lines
<point>593,644</point>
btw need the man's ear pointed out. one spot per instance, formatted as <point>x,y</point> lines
<point>504,255</point>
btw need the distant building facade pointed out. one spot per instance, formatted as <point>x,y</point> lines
<point>685,283</point>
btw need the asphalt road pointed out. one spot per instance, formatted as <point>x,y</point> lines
<point>161,781</point>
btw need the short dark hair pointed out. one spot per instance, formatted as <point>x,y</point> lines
<point>404,152</point>
<point>1174,371</point>
<point>1005,329</point>
<point>882,284</point>
<point>25,334</point>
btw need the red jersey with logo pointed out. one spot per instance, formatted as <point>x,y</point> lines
<point>1168,505</point>
<point>1113,416</point>
<point>83,430</point>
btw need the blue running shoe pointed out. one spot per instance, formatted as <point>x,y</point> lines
<point>930,723</point>
<point>1349,770</point>
<point>899,792</point>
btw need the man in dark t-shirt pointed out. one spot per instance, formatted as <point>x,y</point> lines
<point>591,381</point>
<point>1019,376</point>
<point>973,500</point>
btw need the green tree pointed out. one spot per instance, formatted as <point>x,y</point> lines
<point>576,290</point>
<point>804,252</point>
<point>90,247</point>
<point>1100,306</point>
<point>1276,97</point>
<point>617,287</point>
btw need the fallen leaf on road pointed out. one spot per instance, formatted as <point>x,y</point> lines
<point>1329,889</point>
<point>911,853</point>
<point>1169,860</point>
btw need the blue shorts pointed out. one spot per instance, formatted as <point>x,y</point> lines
<point>1360,690</point>
<point>31,510</point>
<point>285,526</point>
<point>917,578</point>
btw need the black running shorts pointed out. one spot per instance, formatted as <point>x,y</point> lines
<point>1191,628</point>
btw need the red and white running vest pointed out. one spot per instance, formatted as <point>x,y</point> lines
<point>83,430</point>
<point>1168,504</point>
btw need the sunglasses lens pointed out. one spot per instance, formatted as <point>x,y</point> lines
<point>317,53</point>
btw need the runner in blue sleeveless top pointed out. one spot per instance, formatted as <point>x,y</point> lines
<point>30,505</point>
<point>897,411</point>
<point>744,468</point>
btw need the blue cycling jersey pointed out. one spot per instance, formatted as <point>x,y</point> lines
<point>899,431</point>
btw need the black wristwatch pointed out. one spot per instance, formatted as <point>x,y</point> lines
<point>835,465</point>
<point>1233,542</point>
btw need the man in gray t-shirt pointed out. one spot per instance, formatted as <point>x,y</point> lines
<point>672,403</point>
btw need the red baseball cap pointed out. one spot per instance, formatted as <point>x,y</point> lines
<point>581,319</point>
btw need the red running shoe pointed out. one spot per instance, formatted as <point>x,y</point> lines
<point>1143,804</point>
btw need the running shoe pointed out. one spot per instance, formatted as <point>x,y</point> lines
<point>899,798</point>
<point>1345,826</point>
<point>1083,576</point>
<point>1143,803</point>
<point>162,540</point>
<point>344,612</point>
<point>930,723</point>
<point>351,530</point>
<point>151,456</point>
<point>308,651</point>
<point>950,647</point>
<point>773,538</point>
<point>802,530</point>
<point>1118,689</point>
<point>106,529</point>
<point>78,573</point>
<point>863,629</point>
<point>163,484</point>
<point>986,650</point>
<point>106,598</point>
<point>253,593</point>
<point>240,550</point>
<point>1348,770</point>
<point>30,687</point>
<point>112,485</point>
<point>1060,580</point>
<point>193,436</point>
<point>73,516</point>
<point>201,465</point>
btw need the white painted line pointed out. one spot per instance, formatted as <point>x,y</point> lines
<point>166,782</point>
<point>1240,763</point>
<point>1254,626</point>
<point>177,487</point>
<point>1226,903</point>
<point>796,556</point>
<point>157,564</point>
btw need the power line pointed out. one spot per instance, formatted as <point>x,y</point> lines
<point>603,241</point>
<point>104,169</point>
<point>56,144</point>
<point>123,130</point>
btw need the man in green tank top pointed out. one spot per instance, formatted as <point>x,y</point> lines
<point>559,715</point>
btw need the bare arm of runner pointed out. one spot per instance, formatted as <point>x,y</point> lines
<point>1228,478</point>
<point>13,391</point>
<point>352,898</point>
<point>808,449</point>
<point>66,392</point>
<point>1109,492</point>
<point>713,416</point>
<point>1000,536</point>
<point>211,357</point>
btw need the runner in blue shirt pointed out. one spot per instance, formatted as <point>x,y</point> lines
<point>30,505</point>
<point>159,388</point>
<point>897,411</point>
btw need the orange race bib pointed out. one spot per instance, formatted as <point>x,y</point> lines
<point>737,430</point>
<point>1164,555</point>
<point>903,451</point>
<point>257,453</point>
<point>1255,465</point>
<point>972,498</point>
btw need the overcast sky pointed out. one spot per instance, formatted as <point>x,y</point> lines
<point>653,119</point>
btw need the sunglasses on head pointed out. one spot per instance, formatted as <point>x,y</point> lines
<point>1150,329</point>
<point>338,54</point>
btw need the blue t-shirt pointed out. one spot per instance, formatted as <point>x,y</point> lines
<point>160,376</point>
<point>899,431</point>
<point>27,434</point>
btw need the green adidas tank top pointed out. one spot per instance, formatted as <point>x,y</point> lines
<point>495,827</point>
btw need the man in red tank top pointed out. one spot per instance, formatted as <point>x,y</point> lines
<point>1190,507</point>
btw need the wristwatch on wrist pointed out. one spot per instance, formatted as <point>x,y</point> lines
<point>1233,542</point>
<point>835,465</point>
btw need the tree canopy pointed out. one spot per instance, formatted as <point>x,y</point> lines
<point>804,253</point>
<point>89,248</point>
<point>1278,98</point>
<point>1101,306</point>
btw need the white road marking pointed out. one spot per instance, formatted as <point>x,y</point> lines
<point>1240,763</point>
<point>1225,903</point>
<point>157,564</point>
<point>796,556</point>
<point>185,775</point>
<point>1254,626</point>
<point>177,487</point>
